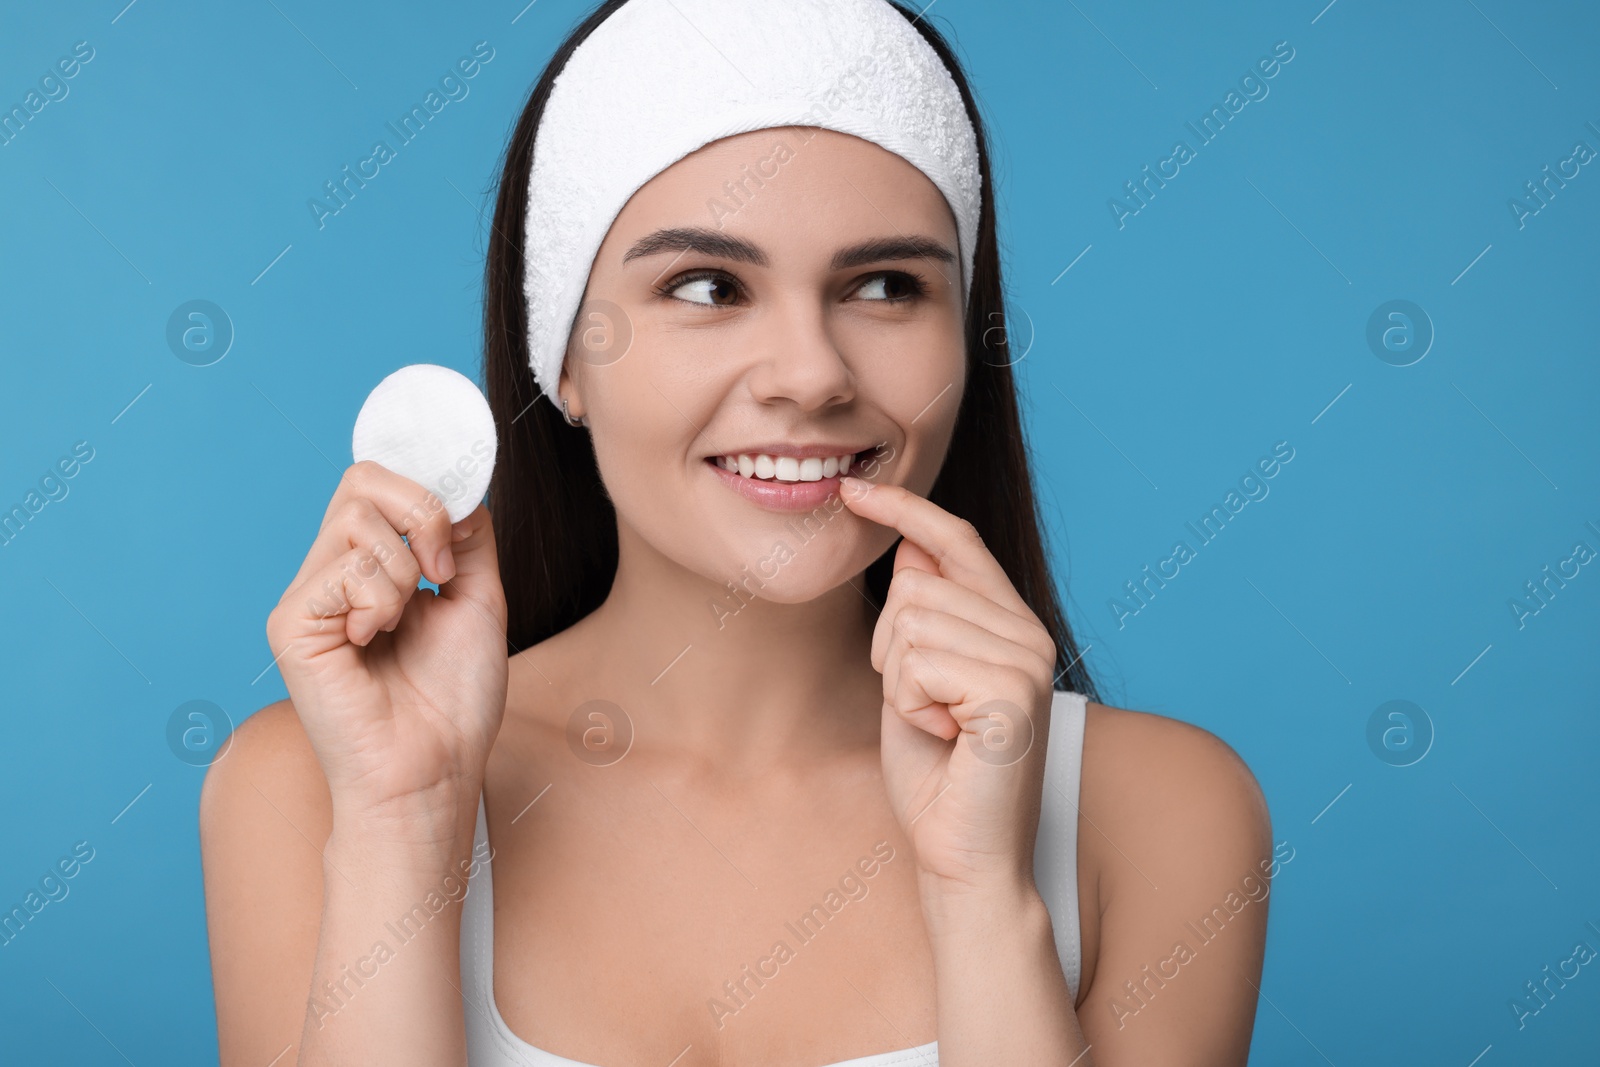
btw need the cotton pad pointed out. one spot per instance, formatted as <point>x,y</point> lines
<point>433,425</point>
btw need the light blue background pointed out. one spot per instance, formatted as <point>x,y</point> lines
<point>1223,318</point>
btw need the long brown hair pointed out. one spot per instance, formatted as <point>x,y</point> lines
<point>552,517</point>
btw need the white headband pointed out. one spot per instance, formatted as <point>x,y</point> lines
<point>659,79</point>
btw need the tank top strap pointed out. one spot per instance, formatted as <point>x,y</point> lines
<point>477,949</point>
<point>1055,857</point>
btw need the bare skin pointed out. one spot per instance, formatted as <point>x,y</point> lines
<point>772,748</point>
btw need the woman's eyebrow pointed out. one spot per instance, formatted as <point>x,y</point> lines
<point>902,247</point>
<point>697,239</point>
<point>715,243</point>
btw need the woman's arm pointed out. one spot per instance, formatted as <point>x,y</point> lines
<point>1002,997</point>
<point>967,671</point>
<point>265,814</point>
<point>386,983</point>
<point>1177,833</point>
<point>336,829</point>
<point>965,660</point>
<point>329,944</point>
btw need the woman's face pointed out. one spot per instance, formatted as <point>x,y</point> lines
<point>791,293</point>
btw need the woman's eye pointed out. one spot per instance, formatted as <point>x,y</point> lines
<point>712,289</point>
<point>891,286</point>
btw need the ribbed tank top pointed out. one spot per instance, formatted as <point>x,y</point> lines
<point>490,1042</point>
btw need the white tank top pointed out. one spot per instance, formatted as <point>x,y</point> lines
<point>490,1042</point>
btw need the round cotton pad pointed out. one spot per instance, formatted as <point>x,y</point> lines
<point>432,425</point>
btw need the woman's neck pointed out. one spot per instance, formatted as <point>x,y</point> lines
<point>727,677</point>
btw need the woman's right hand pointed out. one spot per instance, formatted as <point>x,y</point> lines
<point>400,689</point>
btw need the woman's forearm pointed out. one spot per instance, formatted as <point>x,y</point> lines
<point>1002,997</point>
<point>386,983</point>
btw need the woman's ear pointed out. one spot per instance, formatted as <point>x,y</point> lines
<point>568,391</point>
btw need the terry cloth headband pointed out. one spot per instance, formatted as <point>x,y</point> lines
<point>659,79</point>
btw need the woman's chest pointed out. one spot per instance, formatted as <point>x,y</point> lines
<point>766,929</point>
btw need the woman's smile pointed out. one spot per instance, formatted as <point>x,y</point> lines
<point>788,479</point>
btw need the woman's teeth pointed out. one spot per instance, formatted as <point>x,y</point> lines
<point>785,468</point>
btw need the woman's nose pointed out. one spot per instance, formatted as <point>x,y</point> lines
<point>798,360</point>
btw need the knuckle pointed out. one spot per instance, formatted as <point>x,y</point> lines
<point>405,564</point>
<point>363,473</point>
<point>912,622</point>
<point>1043,645</point>
<point>913,581</point>
<point>389,599</point>
<point>1021,683</point>
<point>915,665</point>
<point>354,511</point>
<point>357,480</point>
<point>363,563</point>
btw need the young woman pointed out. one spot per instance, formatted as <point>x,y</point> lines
<point>733,735</point>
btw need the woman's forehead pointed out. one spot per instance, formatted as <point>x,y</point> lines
<point>787,182</point>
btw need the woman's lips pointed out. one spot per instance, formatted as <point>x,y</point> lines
<point>773,494</point>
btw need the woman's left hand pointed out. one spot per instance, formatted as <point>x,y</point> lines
<point>968,673</point>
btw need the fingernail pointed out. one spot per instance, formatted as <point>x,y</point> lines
<point>445,564</point>
<point>850,481</point>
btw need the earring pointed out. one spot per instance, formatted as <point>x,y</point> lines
<point>565,414</point>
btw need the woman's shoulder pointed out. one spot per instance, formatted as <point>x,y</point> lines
<point>1182,752</point>
<point>269,746</point>
<point>267,781</point>
<point>1175,830</point>
<point>1167,787</point>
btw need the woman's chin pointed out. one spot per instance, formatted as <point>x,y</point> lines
<point>786,570</point>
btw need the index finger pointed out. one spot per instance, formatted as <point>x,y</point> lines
<point>953,542</point>
<point>415,512</point>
